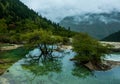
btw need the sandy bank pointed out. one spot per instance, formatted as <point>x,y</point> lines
<point>11,47</point>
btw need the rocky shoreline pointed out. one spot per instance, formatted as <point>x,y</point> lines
<point>115,45</point>
<point>10,47</point>
<point>112,64</point>
<point>106,65</point>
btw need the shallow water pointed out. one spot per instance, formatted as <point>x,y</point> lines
<point>113,57</point>
<point>61,71</point>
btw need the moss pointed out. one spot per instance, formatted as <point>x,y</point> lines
<point>14,54</point>
<point>7,58</point>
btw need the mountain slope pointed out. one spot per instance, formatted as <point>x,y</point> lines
<point>96,25</point>
<point>17,18</point>
<point>115,37</point>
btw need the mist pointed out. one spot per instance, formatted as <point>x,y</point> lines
<point>56,10</point>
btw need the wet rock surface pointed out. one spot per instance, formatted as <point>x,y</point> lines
<point>3,81</point>
<point>112,63</point>
<point>115,45</point>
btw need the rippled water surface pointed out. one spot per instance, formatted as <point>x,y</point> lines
<point>59,71</point>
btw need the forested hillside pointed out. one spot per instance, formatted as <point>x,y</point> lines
<point>115,37</point>
<point>16,18</point>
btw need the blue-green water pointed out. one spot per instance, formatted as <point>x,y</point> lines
<point>60,71</point>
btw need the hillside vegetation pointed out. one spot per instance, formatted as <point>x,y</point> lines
<point>115,37</point>
<point>17,19</point>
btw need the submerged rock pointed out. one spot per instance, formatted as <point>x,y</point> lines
<point>100,67</point>
<point>112,63</point>
<point>4,81</point>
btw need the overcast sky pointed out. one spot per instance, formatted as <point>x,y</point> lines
<point>56,10</point>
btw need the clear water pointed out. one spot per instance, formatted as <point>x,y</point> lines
<point>61,71</point>
<point>113,57</point>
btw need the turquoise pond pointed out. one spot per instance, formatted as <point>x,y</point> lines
<point>59,71</point>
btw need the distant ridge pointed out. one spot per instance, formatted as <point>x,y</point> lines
<point>97,25</point>
<point>115,37</point>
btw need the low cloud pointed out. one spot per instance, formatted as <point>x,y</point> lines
<point>56,10</point>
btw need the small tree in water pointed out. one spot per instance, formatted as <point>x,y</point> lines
<point>88,49</point>
<point>44,40</point>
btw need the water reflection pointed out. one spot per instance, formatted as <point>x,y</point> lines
<point>40,64</point>
<point>81,71</point>
<point>43,68</point>
<point>37,57</point>
<point>57,71</point>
